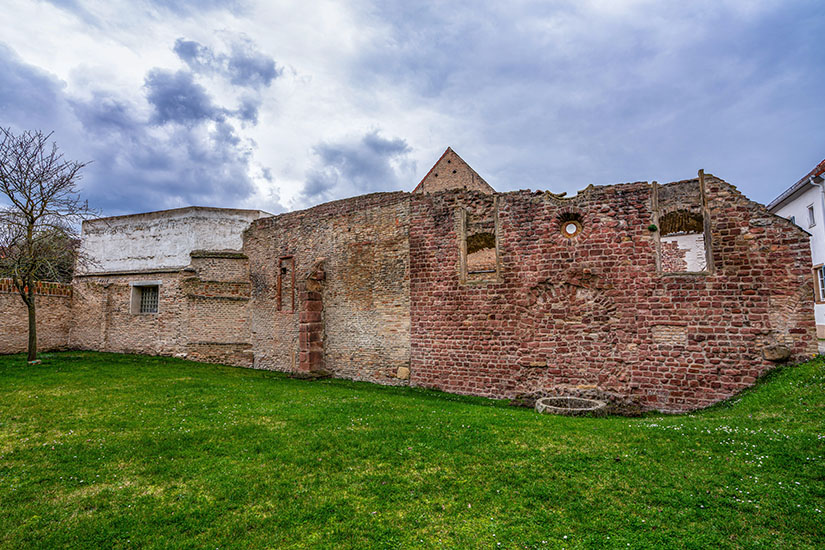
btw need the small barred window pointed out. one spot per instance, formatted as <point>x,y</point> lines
<point>148,299</point>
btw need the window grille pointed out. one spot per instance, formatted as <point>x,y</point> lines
<point>149,299</point>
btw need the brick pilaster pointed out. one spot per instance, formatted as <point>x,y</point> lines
<point>311,321</point>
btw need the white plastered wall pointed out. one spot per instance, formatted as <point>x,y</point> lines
<point>161,240</point>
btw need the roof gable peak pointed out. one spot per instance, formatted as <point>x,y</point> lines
<point>452,172</point>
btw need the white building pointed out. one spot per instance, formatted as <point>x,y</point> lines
<point>804,204</point>
<point>161,239</point>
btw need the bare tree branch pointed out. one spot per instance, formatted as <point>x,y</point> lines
<point>39,225</point>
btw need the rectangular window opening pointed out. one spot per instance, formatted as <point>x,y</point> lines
<point>682,242</point>
<point>149,299</point>
<point>819,284</point>
<point>286,284</point>
<point>811,217</point>
<point>481,252</point>
<point>145,297</point>
<point>479,249</point>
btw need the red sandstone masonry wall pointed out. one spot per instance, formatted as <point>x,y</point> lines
<point>53,305</point>
<point>592,313</point>
<point>365,291</point>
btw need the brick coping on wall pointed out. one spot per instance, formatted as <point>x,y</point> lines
<point>134,272</point>
<point>41,288</point>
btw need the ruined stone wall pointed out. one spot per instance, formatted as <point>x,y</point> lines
<point>364,294</point>
<point>478,293</point>
<point>104,321</point>
<point>217,291</point>
<point>53,309</point>
<point>594,312</point>
<point>202,311</point>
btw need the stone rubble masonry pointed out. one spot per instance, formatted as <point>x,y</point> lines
<point>203,311</point>
<point>674,258</point>
<point>377,288</point>
<point>595,311</point>
<point>364,306</point>
<point>53,309</point>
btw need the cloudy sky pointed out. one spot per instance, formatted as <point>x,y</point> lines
<point>282,105</point>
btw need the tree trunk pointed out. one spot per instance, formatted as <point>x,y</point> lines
<point>32,330</point>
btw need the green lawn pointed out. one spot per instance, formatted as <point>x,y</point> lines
<point>118,451</point>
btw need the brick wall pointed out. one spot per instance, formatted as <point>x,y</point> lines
<point>53,308</point>
<point>203,311</point>
<point>594,312</point>
<point>364,294</point>
<point>103,318</point>
<point>451,172</point>
<point>379,288</point>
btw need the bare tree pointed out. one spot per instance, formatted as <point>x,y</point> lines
<point>39,221</point>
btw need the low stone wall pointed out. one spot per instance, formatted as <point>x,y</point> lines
<point>53,305</point>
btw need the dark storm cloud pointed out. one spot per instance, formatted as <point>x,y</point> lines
<point>198,57</point>
<point>243,66</point>
<point>363,165</point>
<point>560,95</point>
<point>29,97</point>
<point>248,110</point>
<point>186,153</point>
<point>176,97</point>
<point>142,167</point>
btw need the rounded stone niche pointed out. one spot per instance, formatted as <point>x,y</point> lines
<point>570,406</point>
<point>570,224</point>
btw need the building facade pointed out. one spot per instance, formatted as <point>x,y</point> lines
<point>671,296</point>
<point>803,204</point>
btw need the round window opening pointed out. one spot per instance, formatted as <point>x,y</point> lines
<point>570,228</point>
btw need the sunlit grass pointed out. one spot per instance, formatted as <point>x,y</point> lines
<point>103,450</point>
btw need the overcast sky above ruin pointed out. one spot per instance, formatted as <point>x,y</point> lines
<point>282,105</point>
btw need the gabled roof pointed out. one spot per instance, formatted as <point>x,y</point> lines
<point>798,186</point>
<point>451,172</point>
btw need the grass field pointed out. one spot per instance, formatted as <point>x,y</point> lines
<point>118,451</point>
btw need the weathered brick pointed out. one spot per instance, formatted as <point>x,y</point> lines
<point>368,287</point>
